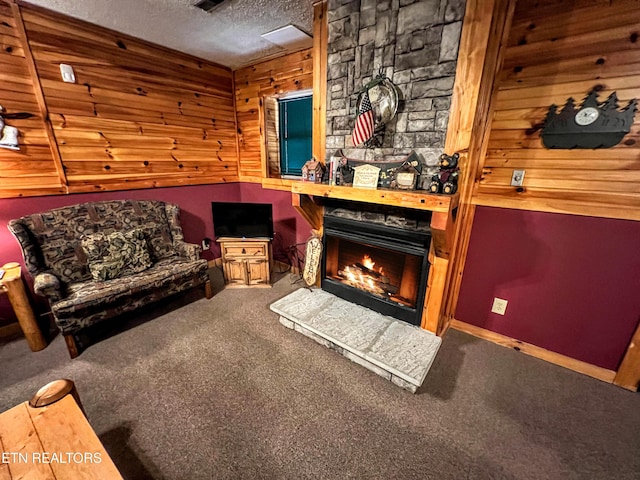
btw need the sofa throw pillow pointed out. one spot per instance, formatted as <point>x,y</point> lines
<point>116,254</point>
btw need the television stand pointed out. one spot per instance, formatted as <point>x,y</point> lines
<point>246,262</point>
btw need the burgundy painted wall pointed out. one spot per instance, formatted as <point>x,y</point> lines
<point>195,216</point>
<point>572,282</point>
<point>288,226</point>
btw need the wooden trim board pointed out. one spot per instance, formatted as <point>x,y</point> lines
<point>484,34</point>
<point>320,44</point>
<point>628,375</point>
<point>543,354</point>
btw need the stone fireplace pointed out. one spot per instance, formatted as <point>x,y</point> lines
<point>386,252</point>
<point>415,44</point>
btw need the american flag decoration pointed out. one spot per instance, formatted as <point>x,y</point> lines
<point>364,127</point>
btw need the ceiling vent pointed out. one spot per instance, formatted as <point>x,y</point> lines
<point>208,5</point>
<point>289,38</point>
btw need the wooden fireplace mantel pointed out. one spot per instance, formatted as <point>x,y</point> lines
<point>442,206</point>
<point>305,197</point>
<point>395,198</point>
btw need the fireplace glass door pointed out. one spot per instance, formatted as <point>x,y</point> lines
<point>380,268</point>
<point>381,272</point>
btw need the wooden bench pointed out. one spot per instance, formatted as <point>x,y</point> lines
<point>50,438</point>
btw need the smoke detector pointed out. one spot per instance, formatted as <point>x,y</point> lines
<point>207,5</point>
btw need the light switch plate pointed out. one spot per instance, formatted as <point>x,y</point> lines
<point>67,73</point>
<point>517,177</point>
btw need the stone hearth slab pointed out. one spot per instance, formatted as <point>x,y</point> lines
<point>400,352</point>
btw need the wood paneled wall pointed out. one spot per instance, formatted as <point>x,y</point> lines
<point>33,167</point>
<point>273,77</point>
<point>559,49</point>
<point>138,116</point>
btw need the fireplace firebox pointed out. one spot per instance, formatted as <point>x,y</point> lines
<point>379,266</point>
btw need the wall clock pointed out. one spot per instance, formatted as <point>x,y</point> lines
<point>592,125</point>
<point>586,116</point>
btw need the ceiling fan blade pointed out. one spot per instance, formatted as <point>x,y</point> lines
<point>18,115</point>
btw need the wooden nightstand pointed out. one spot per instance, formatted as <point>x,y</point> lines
<point>246,262</point>
<point>12,284</point>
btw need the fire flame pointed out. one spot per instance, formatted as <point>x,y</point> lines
<point>364,276</point>
<point>367,262</point>
<point>360,279</point>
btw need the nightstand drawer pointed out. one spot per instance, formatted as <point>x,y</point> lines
<point>239,250</point>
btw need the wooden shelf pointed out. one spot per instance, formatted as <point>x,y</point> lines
<point>419,200</point>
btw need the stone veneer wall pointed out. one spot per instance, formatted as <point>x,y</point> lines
<point>415,43</point>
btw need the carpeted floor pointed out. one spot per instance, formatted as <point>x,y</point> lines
<point>219,389</point>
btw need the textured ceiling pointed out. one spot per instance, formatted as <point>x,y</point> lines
<point>229,34</point>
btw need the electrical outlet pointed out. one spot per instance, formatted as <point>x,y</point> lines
<point>499,306</point>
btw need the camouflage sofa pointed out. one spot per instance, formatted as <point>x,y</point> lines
<point>94,261</point>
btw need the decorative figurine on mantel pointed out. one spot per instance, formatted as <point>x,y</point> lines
<point>446,180</point>
<point>312,171</point>
<point>406,175</point>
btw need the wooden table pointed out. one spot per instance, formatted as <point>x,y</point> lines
<point>54,442</point>
<point>12,284</point>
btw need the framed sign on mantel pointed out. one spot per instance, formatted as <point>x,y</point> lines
<point>387,177</point>
<point>366,176</point>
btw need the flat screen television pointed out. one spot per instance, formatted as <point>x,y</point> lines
<point>242,220</point>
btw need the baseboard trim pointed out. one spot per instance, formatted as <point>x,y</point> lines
<point>216,262</point>
<point>552,357</point>
<point>10,331</point>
